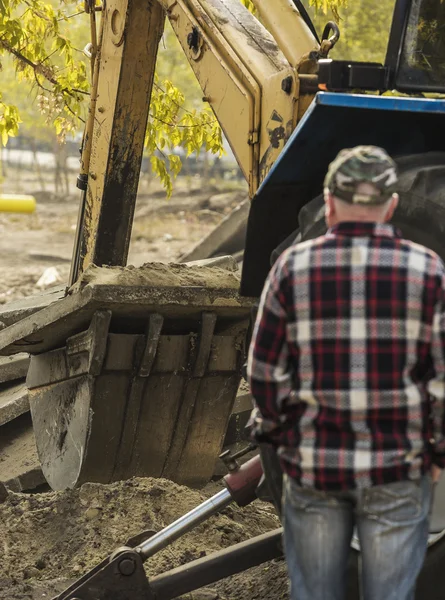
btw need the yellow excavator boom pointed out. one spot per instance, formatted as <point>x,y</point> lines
<point>252,83</point>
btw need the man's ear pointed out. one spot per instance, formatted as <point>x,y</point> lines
<point>392,207</point>
<point>330,213</point>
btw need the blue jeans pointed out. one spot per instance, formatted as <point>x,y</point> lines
<point>392,526</point>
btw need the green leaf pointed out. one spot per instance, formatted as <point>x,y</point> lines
<point>175,164</point>
<point>249,5</point>
<point>9,121</point>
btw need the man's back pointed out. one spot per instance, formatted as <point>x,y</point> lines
<point>360,307</point>
<point>346,367</point>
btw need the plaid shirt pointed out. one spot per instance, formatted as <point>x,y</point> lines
<point>347,361</point>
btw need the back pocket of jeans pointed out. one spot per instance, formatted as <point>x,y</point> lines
<point>394,502</point>
<point>302,498</point>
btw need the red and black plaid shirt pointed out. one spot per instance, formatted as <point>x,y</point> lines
<point>347,361</point>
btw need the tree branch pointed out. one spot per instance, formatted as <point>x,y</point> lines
<point>68,108</point>
<point>38,68</point>
<point>183,126</point>
<point>40,85</point>
<point>66,17</point>
<point>161,152</point>
<point>37,13</point>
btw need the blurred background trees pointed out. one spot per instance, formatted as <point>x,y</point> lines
<point>45,78</point>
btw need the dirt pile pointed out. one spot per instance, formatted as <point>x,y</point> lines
<point>17,283</point>
<point>162,231</point>
<point>48,539</point>
<point>160,275</point>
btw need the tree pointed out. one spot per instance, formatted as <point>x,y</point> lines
<point>33,34</point>
<point>44,44</point>
<point>364,27</point>
<point>44,41</point>
<point>324,6</point>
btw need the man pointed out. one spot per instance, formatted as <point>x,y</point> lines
<point>347,371</point>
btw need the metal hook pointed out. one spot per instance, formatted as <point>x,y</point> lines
<point>331,26</point>
<point>328,43</point>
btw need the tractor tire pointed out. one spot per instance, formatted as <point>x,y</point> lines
<point>421,218</point>
<point>421,211</point>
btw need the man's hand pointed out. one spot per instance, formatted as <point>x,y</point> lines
<point>436,472</point>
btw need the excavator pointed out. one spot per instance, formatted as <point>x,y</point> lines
<point>134,372</point>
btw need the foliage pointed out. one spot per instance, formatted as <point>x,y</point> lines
<point>177,118</point>
<point>364,26</point>
<point>31,31</point>
<point>329,5</point>
<point>42,41</point>
<point>250,5</point>
<point>44,47</point>
<point>171,126</point>
<point>9,121</point>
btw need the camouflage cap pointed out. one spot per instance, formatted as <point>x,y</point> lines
<point>362,164</point>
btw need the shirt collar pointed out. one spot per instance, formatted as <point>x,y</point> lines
<point>359,229</point>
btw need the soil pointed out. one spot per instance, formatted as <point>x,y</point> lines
<point>51,539</point>
<point>160,275</point>
<point>163,230</point>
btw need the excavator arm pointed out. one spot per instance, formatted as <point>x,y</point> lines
<point>250,78</point>
<point>135,371</point>
<point>251,84</point>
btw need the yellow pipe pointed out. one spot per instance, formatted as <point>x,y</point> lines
<point>284,22</point>
<point>15,203</point>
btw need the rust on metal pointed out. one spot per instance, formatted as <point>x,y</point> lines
<point>125,71</point>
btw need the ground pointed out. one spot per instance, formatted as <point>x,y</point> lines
<point>49,539</point>
<point>163,230</point>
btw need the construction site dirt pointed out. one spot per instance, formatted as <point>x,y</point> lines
<point>163,231</point>
<point>48,539</point>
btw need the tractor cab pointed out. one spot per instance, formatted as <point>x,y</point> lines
<point>415,57</point>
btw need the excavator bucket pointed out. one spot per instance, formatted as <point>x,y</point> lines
<point>134,373</point>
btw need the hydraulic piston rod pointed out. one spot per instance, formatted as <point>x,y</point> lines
<point>241,484</point>
<point>123,574</point>
<point>185,523</point>
<point>227,562</point>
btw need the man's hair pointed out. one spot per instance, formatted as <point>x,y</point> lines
<point>360,208</point>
